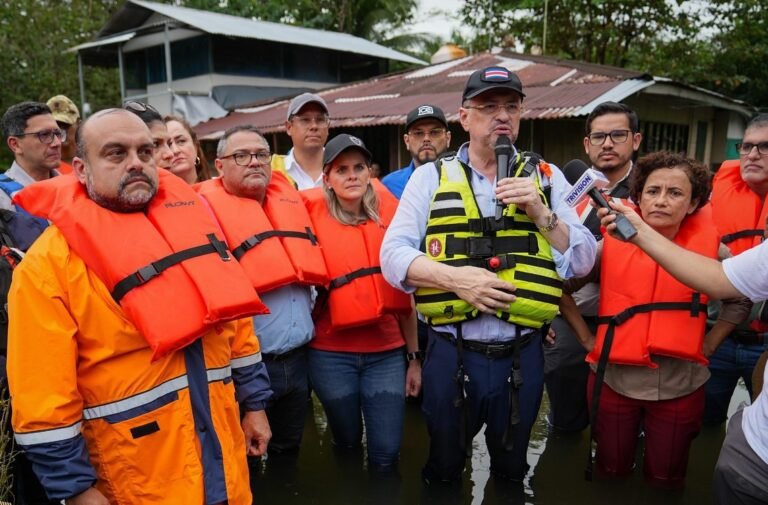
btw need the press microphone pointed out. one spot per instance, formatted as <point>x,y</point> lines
<point>586,181</point>
<point>503,150</point>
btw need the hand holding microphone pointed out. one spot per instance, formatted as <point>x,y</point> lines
<point>588,182</point>
<point>503,150</point>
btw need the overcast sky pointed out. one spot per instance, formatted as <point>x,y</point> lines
<point>428,20</point>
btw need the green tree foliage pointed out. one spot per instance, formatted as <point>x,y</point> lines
<point>35,34</point>
<point>374,20</point>
<point>721,45</point>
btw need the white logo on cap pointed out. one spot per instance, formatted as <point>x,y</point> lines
<point>426,109</point>
<point>356,141</point>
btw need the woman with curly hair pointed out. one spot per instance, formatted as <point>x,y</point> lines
<point>649,357</point>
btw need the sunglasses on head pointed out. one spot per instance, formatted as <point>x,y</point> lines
<point>139,106</point>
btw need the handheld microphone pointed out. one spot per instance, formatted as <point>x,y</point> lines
<point>586,181</point>
<point>503,150</point>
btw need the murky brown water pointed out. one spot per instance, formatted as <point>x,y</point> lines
<point>322,476</point>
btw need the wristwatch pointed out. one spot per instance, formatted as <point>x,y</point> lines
<point>551,224</point>
<point>419,355</point>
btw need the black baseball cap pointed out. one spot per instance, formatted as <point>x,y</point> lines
<point>492,78</point>
<point>341,143</point>
<point>425,111</point>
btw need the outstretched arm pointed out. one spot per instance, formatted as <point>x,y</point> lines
<point>699,272</point>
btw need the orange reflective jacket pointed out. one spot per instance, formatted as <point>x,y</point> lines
<point>653,312</point>
<point>143,257</point>
<point>358,293</point>
<point>82,376</point>
<point>275,243</point>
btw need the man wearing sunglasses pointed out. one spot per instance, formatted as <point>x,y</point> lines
<point>611,140</point>
<point>31,133</point>
<point>740,211</point>
<point>426,137</point>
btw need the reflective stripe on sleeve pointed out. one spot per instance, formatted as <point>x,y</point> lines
<point>219,374</point>
<point>246,360</point>
<point>49,436</point>
<point>109,409</point>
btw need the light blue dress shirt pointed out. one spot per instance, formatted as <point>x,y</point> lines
<point>289,323</point>
<point>406,234</point>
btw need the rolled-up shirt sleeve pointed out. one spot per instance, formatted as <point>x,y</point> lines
<point>578,259</point>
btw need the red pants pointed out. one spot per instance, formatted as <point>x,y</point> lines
<point>669,425</point>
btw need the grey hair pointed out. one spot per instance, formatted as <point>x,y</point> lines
<point>222,146</point>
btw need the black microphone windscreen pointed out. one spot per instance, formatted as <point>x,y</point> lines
<point>573,170</point>
<point>503,145</point>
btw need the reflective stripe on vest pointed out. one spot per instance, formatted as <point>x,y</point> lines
<point>458,235</point>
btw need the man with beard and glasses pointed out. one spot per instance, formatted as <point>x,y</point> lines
<point>265,222</point>
<point>426,137</point>
<point>134,317</point>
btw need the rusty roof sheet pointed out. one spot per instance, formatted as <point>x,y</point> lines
<point>554,89</point>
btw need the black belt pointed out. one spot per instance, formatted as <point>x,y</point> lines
<point>748,337</point>
<point>285,355</point>
<point>491,350</point>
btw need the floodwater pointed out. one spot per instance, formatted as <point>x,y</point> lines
<point>323,476</point>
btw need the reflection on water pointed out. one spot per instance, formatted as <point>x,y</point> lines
<point>323,475</point>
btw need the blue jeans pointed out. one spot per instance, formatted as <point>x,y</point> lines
<point>362,387</point>
<point>289,404</point>
<point>488,400</point>
<point>731,361</point>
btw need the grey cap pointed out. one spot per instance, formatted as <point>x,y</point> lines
<point>303,99</point>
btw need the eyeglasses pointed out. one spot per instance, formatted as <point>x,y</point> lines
<point>617,137</point>
<point>435,133</point>
<point>489,109</point>
<point>244,159</point>
<point>746,148</point>
<point>46,136</point>
<point>306,121</point>
<point>139,106</point>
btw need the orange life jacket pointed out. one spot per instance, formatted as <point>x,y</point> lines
<point>166,267</point>
<point>740,215</point>
<point>275,243</point>
<point>653,312</point>
<point>357,292</point>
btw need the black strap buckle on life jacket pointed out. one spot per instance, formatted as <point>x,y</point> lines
<point>347,278</point>
<point>727,239</point>
<point>255,240</point>
<point>149,272</point>
<point>485,247</point>
<point>694,307</point>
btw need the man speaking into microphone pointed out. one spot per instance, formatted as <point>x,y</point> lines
<point>488,285</point>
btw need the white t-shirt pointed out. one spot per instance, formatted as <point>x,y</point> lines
<point>748,272</point>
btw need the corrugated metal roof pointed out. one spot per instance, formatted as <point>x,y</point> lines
<point>235,26</point>
<point>554,89</point>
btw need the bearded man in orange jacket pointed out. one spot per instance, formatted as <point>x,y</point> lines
<point>129,345</point>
